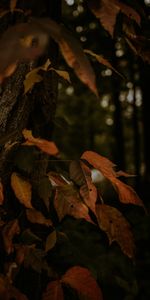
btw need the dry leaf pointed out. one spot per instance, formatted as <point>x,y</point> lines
<point>81,175</point>
<point>51,241</point>
<point>53,291</point>
<point>33,77</point>
<point>105,166</point>
<point>9,231</point>
<point>44,145</point>
<point>1,193</point>
<point>22,190</point>
<point>116,227</point>
<point>83,282</point>
<point>35,216</point>
<point>102,61</point>
<point>71,50</point>
<point>107,12</point>
<point>67,202</point>
<point>56,179</point>
<point>64,74</point>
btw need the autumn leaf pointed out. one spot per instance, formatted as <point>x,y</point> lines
<point>64,74</point>
<point>21,252</point>
<point>106,167</point>
<point>53,291</point>
<point>102,61</point>
<point>67,202</point>
<point>1,193</point>
<point>44,145</point>
<point>9,231</point>
<point>107,12</point>
<point>83,282</point>
<point>22,190</point>
<point>116,227</point>
<point>33,77</point>
<point>35,216</point>
<point>51,241</point>
<point>71,51</point>
<point>8,291</point>
<point>81,175</point>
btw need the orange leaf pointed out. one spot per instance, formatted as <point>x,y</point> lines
<point>53,291</point>
<point>82,281</point>
<point>116,227</point>
<point>105,166</point>
<point>35,216</point>
<point>8,233</point>
<point>1,193</point>
<point>107,12</point>
<point>44,145</point>
<point>67,202</point>
<point>22,190</point>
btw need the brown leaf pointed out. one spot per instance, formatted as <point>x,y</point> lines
<point>35,216</point>
<point>22,190</point>
<point>44,145</point>
<point>64,74</point>
<point>82,281</point>
<point>105,166</point>
<point>88,190</point>
<point>116,227</point>
<point>53,291</point>
<point>1,193</point>
<point>102,61</point>
<point>51,241</point>
<point>9,231</point>
<point>72,52</point>
<point>8,292</point>
<point>67,202</point>
<point>107,12</point>
<point>21,252</point>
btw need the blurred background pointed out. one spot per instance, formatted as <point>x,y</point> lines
<point>117,124</point>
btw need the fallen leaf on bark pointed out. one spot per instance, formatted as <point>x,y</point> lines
<point>83,282</point>
<point>22,190</point>
<point>44,145</point>
<point>116,227</point>
<point>9,231</point>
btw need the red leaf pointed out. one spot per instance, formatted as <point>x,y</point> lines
<point>105,166</point>
<point>53,291</point>
<point>1,193</point>
<point>82,281</point>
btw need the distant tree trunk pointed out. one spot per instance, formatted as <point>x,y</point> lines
<point>145,75</point>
